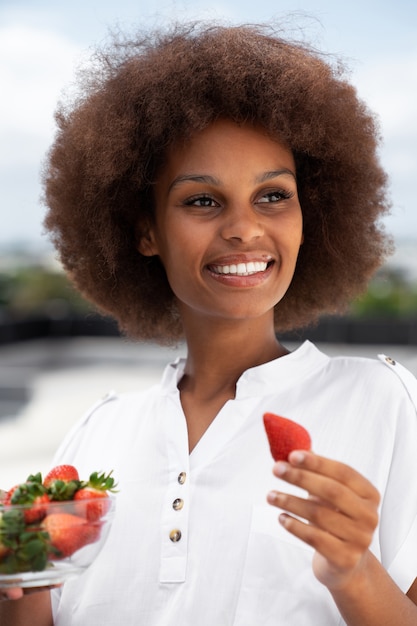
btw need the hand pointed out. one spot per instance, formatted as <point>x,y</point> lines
<point>340,513</point>
<point>12,593</point>
<point>15,593</point>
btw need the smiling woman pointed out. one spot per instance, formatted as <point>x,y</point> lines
<point>222,184</point>
<point>216,218</point>
<point>113,142</point>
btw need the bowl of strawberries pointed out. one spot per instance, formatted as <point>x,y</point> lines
<point>52,529</point>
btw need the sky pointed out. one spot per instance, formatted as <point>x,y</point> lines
<point>42,42</point>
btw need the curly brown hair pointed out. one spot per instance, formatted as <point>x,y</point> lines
<point>143,94</point>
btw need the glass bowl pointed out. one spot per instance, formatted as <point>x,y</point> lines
<point>59,544</point>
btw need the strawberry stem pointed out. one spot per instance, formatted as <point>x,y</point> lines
<point>102,482</point>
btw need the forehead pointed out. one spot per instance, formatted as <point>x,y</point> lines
<point>224,143</point>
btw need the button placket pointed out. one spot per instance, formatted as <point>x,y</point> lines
<point>174,512</point>
<point>175,530</point>
<point>177,505</point>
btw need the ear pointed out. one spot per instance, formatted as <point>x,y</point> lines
<point>145,240</point>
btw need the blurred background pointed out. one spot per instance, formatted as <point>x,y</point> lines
<point>57,356</point>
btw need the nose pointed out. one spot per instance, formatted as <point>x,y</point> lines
<point>242,223</point>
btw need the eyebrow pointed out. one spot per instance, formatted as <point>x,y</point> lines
<point>194,178</point>
<point>212,180</point>
<point>275,174</point>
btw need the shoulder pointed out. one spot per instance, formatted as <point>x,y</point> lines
<point>407,379</point>
<point>111,422</point>
<point>116,420</point>
<point>114,406</point>
<point>380,376</point>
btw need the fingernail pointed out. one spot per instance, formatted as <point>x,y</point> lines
<point>297,456</point>
<point>280,468</point>
<point>271,497</point>
<point>283,519</point>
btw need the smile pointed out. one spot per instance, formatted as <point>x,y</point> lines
<point>240,269</point>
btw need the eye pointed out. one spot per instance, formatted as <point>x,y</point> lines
<point>201,201</point>
<point>275,196</point>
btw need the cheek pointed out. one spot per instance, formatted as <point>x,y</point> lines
<point>178,263</point>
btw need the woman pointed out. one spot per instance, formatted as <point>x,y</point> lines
<point>221,185</point>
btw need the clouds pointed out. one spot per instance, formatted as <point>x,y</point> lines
<point>41,47</point>
<point>389,86</point>
<point>34,65</point>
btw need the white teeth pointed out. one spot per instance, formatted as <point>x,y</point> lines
<point>241,269</point>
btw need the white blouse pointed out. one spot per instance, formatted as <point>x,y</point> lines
<point>194,542</point>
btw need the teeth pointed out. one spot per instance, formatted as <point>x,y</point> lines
<point>241,269</point>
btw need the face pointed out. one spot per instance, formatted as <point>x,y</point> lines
<point>228,223</point>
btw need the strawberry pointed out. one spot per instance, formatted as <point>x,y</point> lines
<point>284,435</point>
<point>61,472</point>
<point>8,497</point>
<point>62,482</point>
<point>38,509</point>
<point>68,533</point>
<point>93,498</point>
<point>32,495</point>
<point>92,503</point>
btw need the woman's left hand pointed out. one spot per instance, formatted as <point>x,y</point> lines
<point>338,518</point>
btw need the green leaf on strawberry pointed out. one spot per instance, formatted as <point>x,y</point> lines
<point>102,482</point>
<point>25,547</point>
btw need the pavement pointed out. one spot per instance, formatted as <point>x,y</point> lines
<point>47,385</point>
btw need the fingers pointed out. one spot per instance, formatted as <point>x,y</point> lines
<point>335,560</point>
<point>14,593</point>
<point>342,504</point>
<point>321,516</point>
<point>335,483</point>
<point>337,518</point>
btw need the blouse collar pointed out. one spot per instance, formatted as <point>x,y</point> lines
<point>261,379</point>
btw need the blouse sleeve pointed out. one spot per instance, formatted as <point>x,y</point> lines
<point>398,527</point>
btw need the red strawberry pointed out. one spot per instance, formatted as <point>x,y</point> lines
<point>68,533</point>
<point>96,491</point>
<point>62,482</point>
<point>38,509</point>
<point>92,503</point>
<point>61,472</point>
<point>32,495</point>
<point>284,435</point>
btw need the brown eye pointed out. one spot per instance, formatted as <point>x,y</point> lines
<point>201,201</point>
<point>275,196</point>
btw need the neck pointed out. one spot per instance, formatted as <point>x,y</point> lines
<point>219,351</point>
<point>219,354</point>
